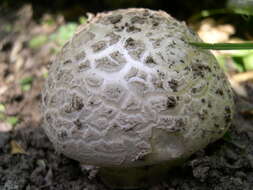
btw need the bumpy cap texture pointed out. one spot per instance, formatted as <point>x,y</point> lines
<point>128,90</point>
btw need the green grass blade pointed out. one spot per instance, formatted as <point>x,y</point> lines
<point>223,46</point>
<point>212,12</point>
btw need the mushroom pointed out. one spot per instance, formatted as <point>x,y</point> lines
<point>130,95</point>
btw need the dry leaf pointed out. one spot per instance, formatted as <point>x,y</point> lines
<point>16,148</point>
<point>243,77</point>
<point>5,127</point>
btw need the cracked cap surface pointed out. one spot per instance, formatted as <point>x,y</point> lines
<point>128,90</point>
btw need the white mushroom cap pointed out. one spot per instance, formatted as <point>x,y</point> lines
<point>128,90</point>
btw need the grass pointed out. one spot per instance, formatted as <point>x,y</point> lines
<point>59,37</point>
<point>223,46</point>
<point>242,60</point>
<point>26,83</point>
<point>207,13</point>
<point>12,120</point>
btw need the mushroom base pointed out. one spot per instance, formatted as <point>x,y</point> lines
<point>135,177</point>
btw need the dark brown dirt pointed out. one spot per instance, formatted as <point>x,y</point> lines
<point>224,165</point>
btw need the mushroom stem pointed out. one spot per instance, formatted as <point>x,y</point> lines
<point>135,177</point>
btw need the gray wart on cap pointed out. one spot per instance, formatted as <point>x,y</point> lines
<point>128,94</point>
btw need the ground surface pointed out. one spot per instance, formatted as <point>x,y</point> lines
<point>28,160</point>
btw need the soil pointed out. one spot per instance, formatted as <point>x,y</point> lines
<point>28,160</point>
